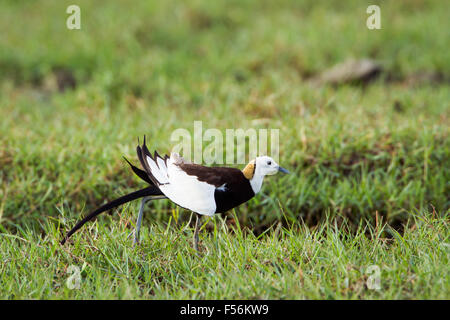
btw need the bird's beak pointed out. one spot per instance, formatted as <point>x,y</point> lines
<point>281,169</point>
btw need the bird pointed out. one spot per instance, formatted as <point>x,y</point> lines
<point>201,189</point>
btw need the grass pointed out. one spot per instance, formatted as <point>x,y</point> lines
<point>285,263</point>
<point>73,102</point>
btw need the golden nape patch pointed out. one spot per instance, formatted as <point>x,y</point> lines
<point>249,169</point>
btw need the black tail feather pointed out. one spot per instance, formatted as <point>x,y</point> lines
<point>149,191</point>
<point>141,155</point>
<point>140,173</point>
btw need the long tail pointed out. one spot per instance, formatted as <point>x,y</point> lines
<point>149,191</point>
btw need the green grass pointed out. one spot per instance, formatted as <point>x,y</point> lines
<point>285,263</point>
<point>151,67</point>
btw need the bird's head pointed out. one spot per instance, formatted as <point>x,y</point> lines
<point>262,166</point>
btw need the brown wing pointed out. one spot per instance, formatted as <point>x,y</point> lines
<point>216,176</point>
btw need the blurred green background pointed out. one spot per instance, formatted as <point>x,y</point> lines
<point>72,102</point>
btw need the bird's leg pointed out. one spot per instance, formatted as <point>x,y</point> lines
<point>139,220</point>
<point>140,215</point>
<point>197,229</point>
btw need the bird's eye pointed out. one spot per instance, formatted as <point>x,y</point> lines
<point>269,162</point>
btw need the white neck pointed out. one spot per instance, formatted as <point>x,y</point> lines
<point>256,181</point>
